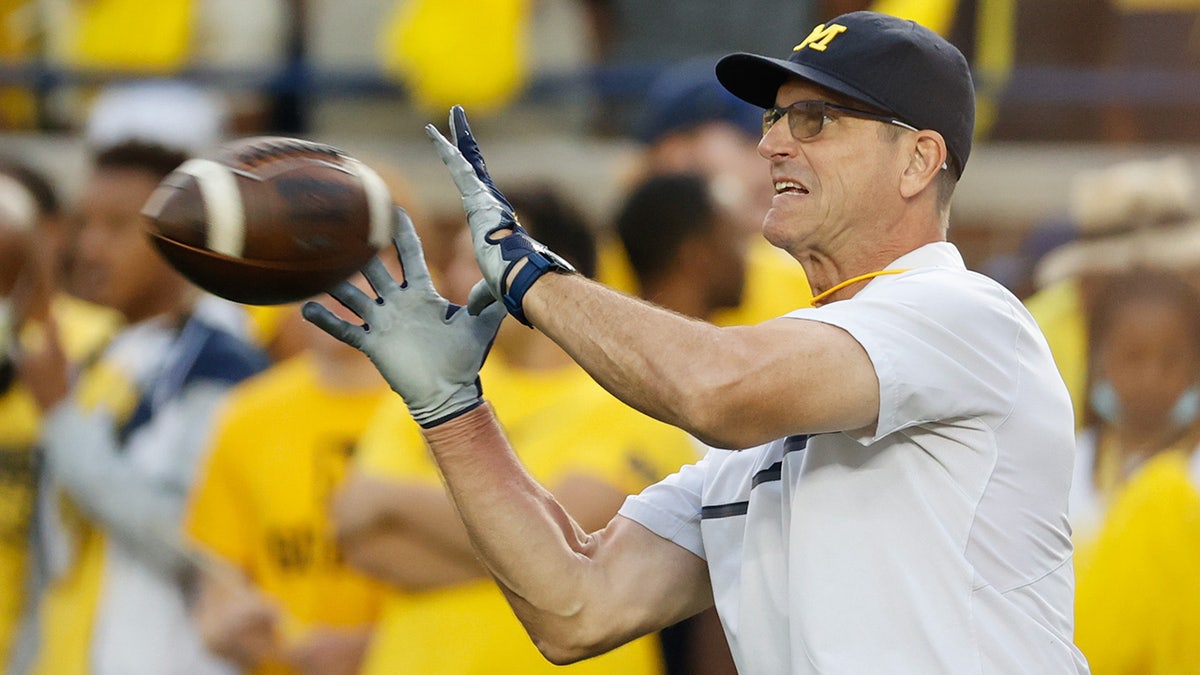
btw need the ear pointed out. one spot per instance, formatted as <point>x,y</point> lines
<point>927,155</point>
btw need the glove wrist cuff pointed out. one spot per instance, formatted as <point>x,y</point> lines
<point>537,264</point>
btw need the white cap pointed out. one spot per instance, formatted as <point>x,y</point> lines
<point>1130,215</point>
<point>171,113</point>
<point>17,206</point>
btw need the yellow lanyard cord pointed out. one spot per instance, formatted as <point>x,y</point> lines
<point>821,297</point>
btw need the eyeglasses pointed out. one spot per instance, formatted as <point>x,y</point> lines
<point>807,118</point>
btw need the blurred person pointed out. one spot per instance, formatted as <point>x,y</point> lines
<point>446,615</point>
<point>278,596</point>
<point>688,254</point>
<point>1144,396</point>
<point>690,123</point>
<point>863,518</point>
<point>32,240</point>
<point>122,440</point>
<point>1135,215</point>
<point>18,414</point>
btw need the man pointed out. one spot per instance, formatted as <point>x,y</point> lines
<point>906,509</point>
<point>122,440</point>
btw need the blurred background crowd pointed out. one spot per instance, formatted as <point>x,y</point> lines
<point>192,486</point>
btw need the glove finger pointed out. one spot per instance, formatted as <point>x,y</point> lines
<point>379,277</point>
<point>324,319</point>
<point>465,180</point>
<point>355,300</point>
<point>412,255</point>
<point>465,141</point>
<point>460,130</point>
<point>479,298</point>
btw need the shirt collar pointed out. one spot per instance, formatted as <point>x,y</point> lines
<point>936,254</point>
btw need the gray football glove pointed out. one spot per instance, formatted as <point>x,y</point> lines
<point>427,350</point>
<point>500,241</point>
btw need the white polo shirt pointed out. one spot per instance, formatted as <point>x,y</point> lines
<point>936,542</point>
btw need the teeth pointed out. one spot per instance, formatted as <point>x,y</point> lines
<point>783,185</point>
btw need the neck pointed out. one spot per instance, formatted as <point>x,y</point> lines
<point>826,268</point>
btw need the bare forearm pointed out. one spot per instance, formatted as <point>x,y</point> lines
<point>576,593</point>
<point>526,539</point>
<point>679,370</point>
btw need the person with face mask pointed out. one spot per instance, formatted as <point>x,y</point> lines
<point>1144,394</point>
<point>1135,503</point>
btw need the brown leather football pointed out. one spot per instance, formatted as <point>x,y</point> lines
<point>270,220</point>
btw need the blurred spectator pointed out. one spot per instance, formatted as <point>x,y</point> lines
<point>18,414</point>
<point>278,596</point>
<point>690,123</point>
<point>1132,216</point>
<point>1144,392</point>
<point>396,521</point>
<point>688,255</point>
<point>122,442</point>
<point>32,241</point>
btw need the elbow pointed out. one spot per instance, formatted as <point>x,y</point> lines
<point>586,630</point>
<point>720,412</point>
<point>569,644</point>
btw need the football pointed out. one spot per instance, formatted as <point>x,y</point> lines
<point>270,220</point>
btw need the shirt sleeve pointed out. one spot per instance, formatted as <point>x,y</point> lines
<point>671,507</point>
<point>943,344</point>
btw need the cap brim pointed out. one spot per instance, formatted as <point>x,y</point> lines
<point>756,79</point>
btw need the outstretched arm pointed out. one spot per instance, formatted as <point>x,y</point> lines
<point>577,593</point>
<point>730,387</point>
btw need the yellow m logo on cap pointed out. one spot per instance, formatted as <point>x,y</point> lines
<point>820,37</point>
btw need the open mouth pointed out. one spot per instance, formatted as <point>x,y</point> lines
<point>785,187</point>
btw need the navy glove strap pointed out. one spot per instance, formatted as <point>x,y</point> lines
<point>540,260</point>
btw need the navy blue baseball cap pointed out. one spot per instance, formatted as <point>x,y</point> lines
<point>891,64</point>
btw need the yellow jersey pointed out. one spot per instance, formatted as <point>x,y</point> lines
<point>280,450</point>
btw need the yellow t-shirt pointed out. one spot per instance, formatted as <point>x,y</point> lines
<point>83,328</point>
<point>1058,309</point>
<point>281,449</point>
<point>1137,600</point>
<point>560,424</point>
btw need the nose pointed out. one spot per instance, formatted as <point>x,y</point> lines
<point>777,140</point>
